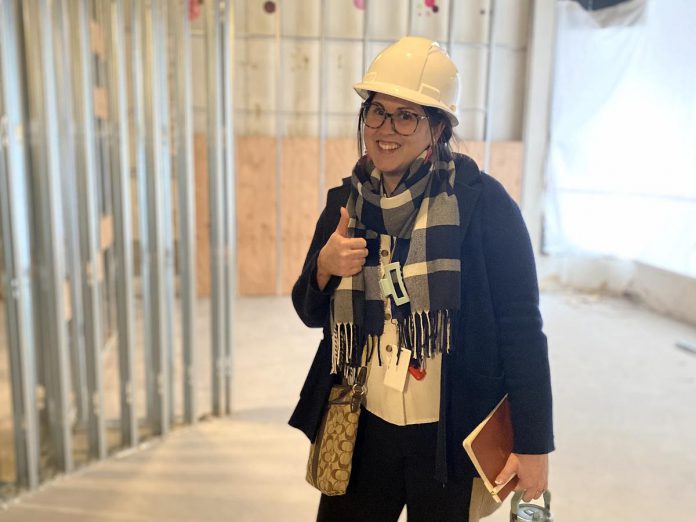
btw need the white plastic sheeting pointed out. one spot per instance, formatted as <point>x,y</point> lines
<point>621,169</point>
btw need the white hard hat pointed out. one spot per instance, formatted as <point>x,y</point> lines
<point>414,69</point>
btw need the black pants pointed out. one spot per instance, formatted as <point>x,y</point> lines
<point>394,466</point>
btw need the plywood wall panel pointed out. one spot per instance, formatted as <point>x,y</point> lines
<point>512,21</point>
<point>343,65</point>
<point>471,21</point>
<point>471,62</point>
<point>96,38</point>
<point>256,215</point>
<point>258,20</point>
<point>387,19</point>
<point>300,77</point>
<point>299,203</point>
<point>341,155</point>
<point>473,149</point>
<point>301,18</point>
<point>343,19</point>
<point>505,162</point>
<point>429,23</point>
<point>507,97</point>
<point>101,103</point>
<point>506,166</point>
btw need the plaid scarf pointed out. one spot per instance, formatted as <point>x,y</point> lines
<point>423,215</point>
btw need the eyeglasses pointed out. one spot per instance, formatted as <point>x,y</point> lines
<point>404,122</point>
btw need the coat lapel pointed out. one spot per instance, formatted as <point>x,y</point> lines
<point>467,187</point>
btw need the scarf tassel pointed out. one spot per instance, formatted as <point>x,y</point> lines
<point>348,342</point>
<point>424,333</point>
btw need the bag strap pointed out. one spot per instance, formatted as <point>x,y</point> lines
<point>358,389</point>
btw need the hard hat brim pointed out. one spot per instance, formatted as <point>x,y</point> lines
<point>364,88</point>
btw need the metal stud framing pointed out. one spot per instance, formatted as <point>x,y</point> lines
<point>75,164</point>
<point>279,135</point>
<point>14,220</point>
<point>68,77</point>
<point>122,222</point>
<point>366,34</point>
<point>217,203</point>
<point>48,196</point>
<point>158,208</point>
<point>89,233</point>
<point>186,183</point>
<point>230,213</point>
<point>141,175</point>
<point>490,64</point>
<point>323,87</point>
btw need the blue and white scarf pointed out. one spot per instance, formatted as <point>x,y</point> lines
<point>423,215</point>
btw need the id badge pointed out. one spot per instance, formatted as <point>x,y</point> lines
<point>395,375</point>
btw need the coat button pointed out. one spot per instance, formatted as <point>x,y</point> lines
<point>387,316</point>
<point>389,348</point>
<point>384,253</point>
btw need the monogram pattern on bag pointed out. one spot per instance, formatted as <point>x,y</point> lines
<point>331,455</point>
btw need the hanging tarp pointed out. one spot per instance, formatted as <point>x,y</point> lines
<point>622,152</point>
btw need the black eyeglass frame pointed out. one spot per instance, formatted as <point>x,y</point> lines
<point>366,107</point>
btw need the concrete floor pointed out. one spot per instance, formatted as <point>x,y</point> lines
<point>624,413</point>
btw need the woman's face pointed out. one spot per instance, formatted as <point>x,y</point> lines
<point>392,153</point>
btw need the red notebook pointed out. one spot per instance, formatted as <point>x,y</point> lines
<point>489,447</point>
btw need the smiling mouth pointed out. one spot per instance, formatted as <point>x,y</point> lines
<point>387,146</point>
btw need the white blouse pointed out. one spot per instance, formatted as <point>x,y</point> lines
<point>420,400</point>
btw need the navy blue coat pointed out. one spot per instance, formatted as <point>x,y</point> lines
<point>499,348</point>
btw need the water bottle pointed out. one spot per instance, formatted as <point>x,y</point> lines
<point>530,512</point>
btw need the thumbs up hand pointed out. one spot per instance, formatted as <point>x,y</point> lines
<point>342,228</point>
<point>341,256</point>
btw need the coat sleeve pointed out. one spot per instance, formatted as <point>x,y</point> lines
<point>522,343</point>
<point>311,303</point>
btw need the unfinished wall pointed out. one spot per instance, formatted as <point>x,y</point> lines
<point>263,254</point>
<point>296,62</point>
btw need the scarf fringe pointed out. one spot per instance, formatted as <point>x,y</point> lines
<point>424,333</point>
<point>348,342</point>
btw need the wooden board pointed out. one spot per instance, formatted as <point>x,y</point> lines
<point>200,152</point>
<point>101,103</point>
<point>341,155</point>
<point>256,215</point>
<point>506,166</point>
<point>67,301</point>
<point>96,38</point>
<point>96,270</point>
<point>106,229</point>
<point>473,149</point>
<point>299,204</point>
<point>505,162</point>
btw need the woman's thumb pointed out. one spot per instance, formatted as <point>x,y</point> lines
<point>508,471</point>
<point>342,228</point>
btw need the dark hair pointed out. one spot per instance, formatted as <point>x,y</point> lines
<point>361,117</point>
<point>435,117</point>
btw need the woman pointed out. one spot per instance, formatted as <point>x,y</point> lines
<point>420,261</point>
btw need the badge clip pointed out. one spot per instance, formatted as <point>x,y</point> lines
<point>387,284</point>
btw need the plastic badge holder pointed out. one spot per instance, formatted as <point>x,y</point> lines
<point>387,284</point>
